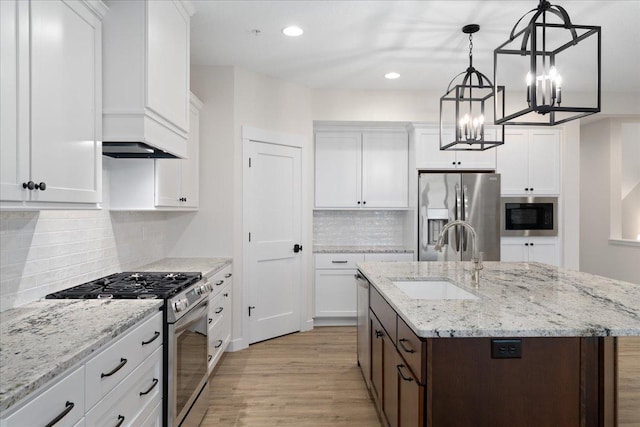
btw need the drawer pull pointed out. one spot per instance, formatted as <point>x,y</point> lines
<point>219,282</point>
<point>408,350</point>
<point>219,344</point>
<point>68,407</point>
<point>210,320</point>
<point>155,382</point>
<point>399,367</point>
<point>226,294</point>
<point>226,276</point>
<point>378,333</point>
<point>123,362</point>
<point>155,336</point>
<point>219,310</point>
<point>339,262</point>
<point>120,420</point>
<point>209,358</point>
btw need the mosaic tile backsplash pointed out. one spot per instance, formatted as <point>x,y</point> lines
<point>366,228</point>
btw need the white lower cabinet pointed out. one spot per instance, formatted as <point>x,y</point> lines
<point>335,285</point>
<point>63,401</point>
<point>219,315</point>
<point>530,249</point>
<point>121,385</point>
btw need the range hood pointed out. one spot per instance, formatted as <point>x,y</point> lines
<point>134,150</point>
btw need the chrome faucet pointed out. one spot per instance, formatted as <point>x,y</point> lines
<point>476,257</point>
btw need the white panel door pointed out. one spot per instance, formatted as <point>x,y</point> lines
<point>14,135</point>
<point>544,162</point>
<point>168,62</point>
<point>338,159</point>
<point>274,220</point>
<point>66,152</point>
<point>385,170</point>
<point>544,251</point>
<point>512,162</point>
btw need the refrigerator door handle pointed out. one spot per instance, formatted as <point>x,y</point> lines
<point>463,210</point>
<point>456,213</point>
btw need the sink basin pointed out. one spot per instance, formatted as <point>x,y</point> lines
<point>433,289</point>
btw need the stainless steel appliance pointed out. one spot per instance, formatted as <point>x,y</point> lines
<point>471,197</point>
<point>529,216</point>
<point>363,343</point>
<point>186,302</point>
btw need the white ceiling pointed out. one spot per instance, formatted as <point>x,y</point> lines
<point>351,44</point>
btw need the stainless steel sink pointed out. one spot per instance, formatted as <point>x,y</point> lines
<point>433,289</point>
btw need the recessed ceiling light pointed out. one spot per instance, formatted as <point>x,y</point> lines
<point>392,76</point>
<point>292,31</point>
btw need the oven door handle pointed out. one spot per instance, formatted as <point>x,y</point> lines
<point>193,316</point>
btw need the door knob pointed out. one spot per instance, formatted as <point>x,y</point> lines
<point>297,248</point>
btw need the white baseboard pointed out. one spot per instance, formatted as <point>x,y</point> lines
<point>307,326</point>
<point>237,344</point>
<point>335,321</point>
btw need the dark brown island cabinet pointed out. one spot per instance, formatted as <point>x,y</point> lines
<point>483,382</point>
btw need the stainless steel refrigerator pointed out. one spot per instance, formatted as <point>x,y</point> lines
<point>472,197</point>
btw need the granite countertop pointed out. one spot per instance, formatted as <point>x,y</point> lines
<point>515,299</point>
<point>370,249</point>
<point>43,339</point>
<point>207,266</point>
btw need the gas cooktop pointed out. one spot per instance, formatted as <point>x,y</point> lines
<point>131,285</point>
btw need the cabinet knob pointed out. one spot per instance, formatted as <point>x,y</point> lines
<point>530,244</point>
<point>30,185</point>
<point>42,186</point>
<point>458,162</point>
<point>531,189</point>
<point>364,203</point>
<point>526,244</point>
<point>453,163</point>
<point>358,202</point>
<point>526,189</point>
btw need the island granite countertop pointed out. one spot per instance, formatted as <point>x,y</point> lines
<point>515,300</point>
<point>43,339</point>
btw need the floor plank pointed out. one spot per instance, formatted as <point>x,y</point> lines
<point>308,378</point>
<point>628,381</point>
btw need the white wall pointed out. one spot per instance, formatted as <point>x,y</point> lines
<point>598,170</point>
<point>234,98</point>
<point>47,251</point>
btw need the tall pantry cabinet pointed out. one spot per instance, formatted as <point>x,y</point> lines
<point>51,111</point>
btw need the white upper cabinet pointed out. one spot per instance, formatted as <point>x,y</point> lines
<point>167,184</point>
<point>51,120</point>
<point>146,73</point>
<point>529,162</point>
<point>177,181</point>
<point>361,169</point>
<point>429,155</point>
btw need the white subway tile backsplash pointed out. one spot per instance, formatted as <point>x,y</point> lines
<point>366,228</point>
<point>46,251</point>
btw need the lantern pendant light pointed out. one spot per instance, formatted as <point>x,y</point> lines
<point>540,66</point>
<point>466,107</point>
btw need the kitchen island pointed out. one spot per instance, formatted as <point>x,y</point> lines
<point>533,345</point>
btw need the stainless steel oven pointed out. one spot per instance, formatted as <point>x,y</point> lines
<point>529,216</point>
<point>186,352</point>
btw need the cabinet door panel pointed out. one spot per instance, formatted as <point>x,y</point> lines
<point>335,293</point>
<point>390,374</point>
<point>377,332</point>
<point>544,251</point>
<point>512,162</point>
<point>544,162</point>
<point>428,153</point>
<point>167,185</point>
<point>478,159</point>
<point>410,399</point>
<point>190,170</point>
<point>338,169</point>
<point>65,69</point>
<point>14,161</point>
<point>168,62</point>
<point>385,170</point>
<point>513,250</point>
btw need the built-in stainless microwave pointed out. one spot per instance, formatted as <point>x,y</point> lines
<point>529,216</point>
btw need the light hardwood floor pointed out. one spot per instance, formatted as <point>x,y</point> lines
<point>628,381</point>
<point>304,379</point>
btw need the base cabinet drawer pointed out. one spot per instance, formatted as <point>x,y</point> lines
<point>63,402</point>
<point>384,312</point>
<point>154,419</point>
<point>137,394</point>
<point>410,399</point>
<point>413,350</point>
<point>112,365</point>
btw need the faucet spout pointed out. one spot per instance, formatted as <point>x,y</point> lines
<point>476,254</point>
